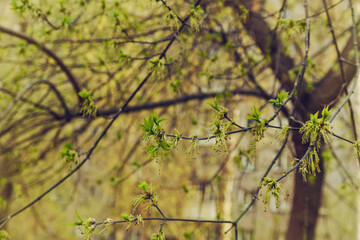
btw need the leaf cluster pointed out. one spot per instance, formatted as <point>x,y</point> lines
<point>258,130</point>
<point>317,128</point>
<point>70,155</point>
<point>196,16</point>
<point>292,27</point>
<point>314,131</point>
<point>310,165</point>
<point>219,128</point>
<point>255,115</point>
<point>219,131</point>
<point>157,67</point>
<point>4,235</point>
<point>273,188</point>
<point>20,6</point>
<point>147,196</point>
<point>86,227</point>
<point>172,20</point>
<point>280,98</point>
<point>156,133</point>
<point>281,135</point>
<point>244,13</point>
<point>220,109</point>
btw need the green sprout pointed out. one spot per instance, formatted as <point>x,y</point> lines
<point>20,8</point>
<point>244,13</point>
<point>172,20</point>
<point>258,130</point>
<point>220,109</point>
<point>148,196</point>
<point>255,115</point>
<point>86,227</point>
<point>157,67</point>
<point>317,128</point>
<point>196,16</point>
<point>4,235</point>
<point>185,188</point>
<point>150,128</point>
<point>219,130</point>
<point>156,133</point>
<point>65,20</point>
<point>273,188</point>
<point>88,108</point>
<point>314,131</point>
<point>127,217</point>
<point>291,27</point>
<point>280,98</point>
<point>70,155</point>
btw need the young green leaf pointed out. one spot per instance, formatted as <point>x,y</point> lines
<point>280,98</point>
<point>144,186</point>
<point>125,217</point>
<point>326,113</point>
<point>215,105</point>
<point>255,115</point>
<point>80,222</point>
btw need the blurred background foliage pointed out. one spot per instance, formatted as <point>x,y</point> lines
<point>109,47</point>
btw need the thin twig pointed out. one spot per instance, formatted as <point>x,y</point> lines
<point>173,220</point>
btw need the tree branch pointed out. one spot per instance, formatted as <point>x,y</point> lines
<point>48,52</point>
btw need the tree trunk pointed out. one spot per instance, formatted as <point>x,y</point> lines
<point>307,200</point>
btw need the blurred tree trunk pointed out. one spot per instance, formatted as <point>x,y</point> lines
<point>306,201</point>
